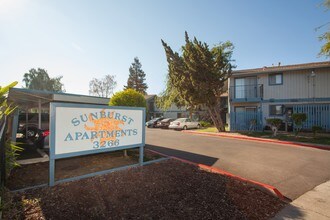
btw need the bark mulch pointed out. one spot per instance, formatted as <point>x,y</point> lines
<point>37,174</point>
<point>166,190</point>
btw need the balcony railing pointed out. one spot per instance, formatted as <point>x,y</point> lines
<point>246,92</point>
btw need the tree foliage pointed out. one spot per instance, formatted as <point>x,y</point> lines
<point>169,96</point>
<point>325,49</point>
<point>128,97</point>
<point>316,129</point>
<point>102,87</point>
<point>198,76</point>
<point>40,80</point>
<point>5,110</point>
<point>275,124</point>
<point>136,78</point>
<point>298,120</point>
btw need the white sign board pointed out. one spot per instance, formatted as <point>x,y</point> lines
<point>89,129</point>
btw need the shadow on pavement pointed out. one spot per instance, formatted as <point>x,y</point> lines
<point>197,158</point>
<point>290,212</point>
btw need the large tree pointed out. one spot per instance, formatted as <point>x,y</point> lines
<point>199,75</point>
<point>40,80</point>
<point>325,49</point>
<point>102,87</point>
<point>169,96</point>
<point>137,77</point>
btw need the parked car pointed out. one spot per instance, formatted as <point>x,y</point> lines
<point>28,128</point>
<point>184,123</point>
<point>153,122</point>
<point>165,123</point>
<point>32,120</point>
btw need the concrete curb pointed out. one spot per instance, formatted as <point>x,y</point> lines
<point>225,173</point>
<point>292,144</point>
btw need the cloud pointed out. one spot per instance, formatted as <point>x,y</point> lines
<point>77,47</point>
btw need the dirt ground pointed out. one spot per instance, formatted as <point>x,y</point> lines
<point>37,174</point>
<point>166,190</point>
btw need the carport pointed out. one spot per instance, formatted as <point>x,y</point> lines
<point>27,99</point>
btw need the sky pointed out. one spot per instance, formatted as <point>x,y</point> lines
<point>82,39</point>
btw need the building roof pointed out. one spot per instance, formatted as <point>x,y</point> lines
<point>147,97</point>
<point>28,98</point>
<point>272,69</point>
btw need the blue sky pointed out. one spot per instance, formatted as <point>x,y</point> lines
<point>81,39</point>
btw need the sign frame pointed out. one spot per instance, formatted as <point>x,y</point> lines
<point>53,157</point>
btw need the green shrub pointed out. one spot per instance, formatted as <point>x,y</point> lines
<point>205,124</point>
<point>5,110</point>
<point>298,120</point>
<point>128,97</point>
<point>11,156</point>
<point>275,124</point>
<point>316,129</point>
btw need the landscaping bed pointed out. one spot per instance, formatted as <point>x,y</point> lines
<point>37,174</point>
<point>165,190</point>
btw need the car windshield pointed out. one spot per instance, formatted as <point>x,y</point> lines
<point>181,119</point>
<point>153,120</point>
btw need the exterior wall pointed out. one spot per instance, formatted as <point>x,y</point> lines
<point>298,85</point>
<point>172,112</point>
<point>175,114</point>
<point>298,88</point>
<point>266,113</point>
<point>232,117</point>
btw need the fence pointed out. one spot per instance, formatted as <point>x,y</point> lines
<point>246,121</point>
<point>317,114</point>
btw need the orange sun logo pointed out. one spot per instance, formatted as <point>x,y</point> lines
<point>104,124</point>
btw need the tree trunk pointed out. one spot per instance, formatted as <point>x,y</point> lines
<point>214,112</point>
<point>274,130</point>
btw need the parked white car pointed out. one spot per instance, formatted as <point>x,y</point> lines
<point>184,123</point>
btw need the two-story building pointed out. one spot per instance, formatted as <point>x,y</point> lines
<point>278,92</point>
<point>154,112</point>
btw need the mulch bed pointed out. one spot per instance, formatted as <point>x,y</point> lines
<point>165,190</point>
<point>37,174</point>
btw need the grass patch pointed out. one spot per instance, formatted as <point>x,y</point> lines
<point>303,137</point>
<point>209,129</point>
<point>323,139</point>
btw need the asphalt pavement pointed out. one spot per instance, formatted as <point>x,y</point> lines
<point>291,169</point>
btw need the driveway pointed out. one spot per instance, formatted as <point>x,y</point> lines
<point>292,170</point>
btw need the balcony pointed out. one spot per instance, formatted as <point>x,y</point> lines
<point>246,93</point>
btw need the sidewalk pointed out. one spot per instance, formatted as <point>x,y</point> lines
<point>244,137</point>
<point>314,204</point>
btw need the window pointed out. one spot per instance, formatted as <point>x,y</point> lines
<point>239,109</point>
<point>276,110</point>
<point>245,109</point>
<point>245,87</point>
<point>276,79</point>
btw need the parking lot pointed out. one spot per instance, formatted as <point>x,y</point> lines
<point>293,170</point>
